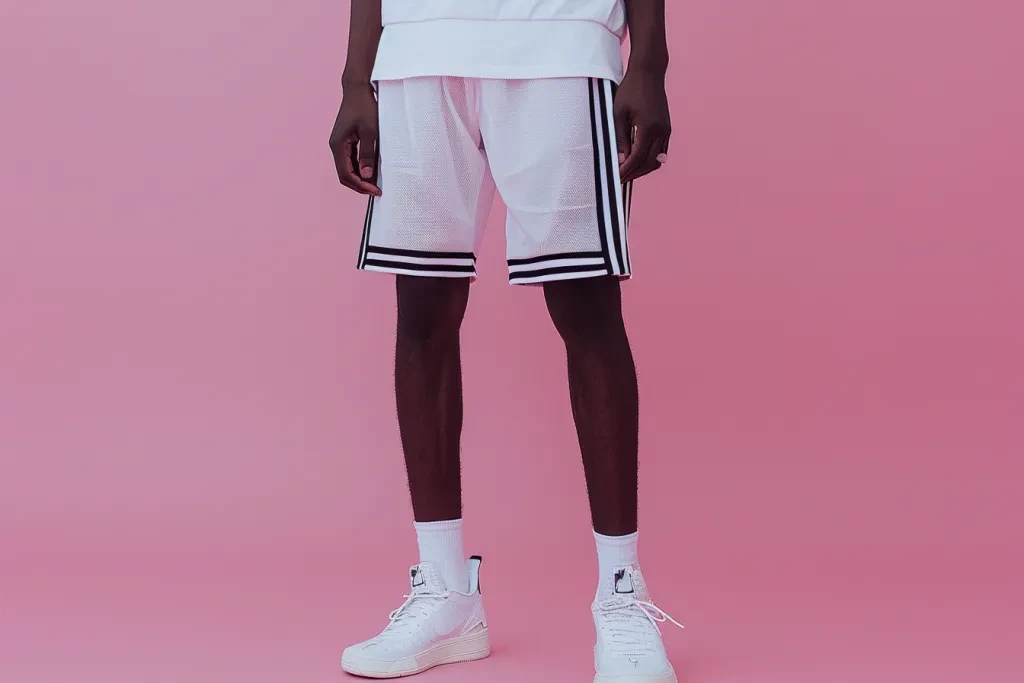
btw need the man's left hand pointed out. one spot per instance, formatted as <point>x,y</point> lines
<point>642,123</point>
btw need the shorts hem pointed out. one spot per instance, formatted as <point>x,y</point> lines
<point>448,264</point>
<point>394,270</point>
<point>581,275</point>
<point>564,266</point>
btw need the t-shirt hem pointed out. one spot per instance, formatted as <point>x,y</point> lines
<point>498,49</point>
<point>496,72</point>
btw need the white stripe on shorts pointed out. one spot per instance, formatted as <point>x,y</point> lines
<point>603,145</point>
<point>556,267</point>
<point>416,262</point>
<point>619,219</point>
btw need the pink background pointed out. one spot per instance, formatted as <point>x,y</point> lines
<point>198,445</point>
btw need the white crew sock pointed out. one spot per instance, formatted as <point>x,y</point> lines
<point>441,545</point>
<point>614,552</point>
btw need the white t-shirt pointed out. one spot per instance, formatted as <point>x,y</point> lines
<point>501,39</point>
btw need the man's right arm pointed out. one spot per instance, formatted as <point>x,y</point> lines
<point>354,138</point>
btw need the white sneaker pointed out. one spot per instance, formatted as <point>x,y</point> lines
<point>629,647</point>
<point>434,626</point>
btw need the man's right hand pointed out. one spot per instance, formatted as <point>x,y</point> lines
<point>354,141</point>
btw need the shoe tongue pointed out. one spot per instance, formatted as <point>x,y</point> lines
<point>625,582</point>
<point>424,578</point>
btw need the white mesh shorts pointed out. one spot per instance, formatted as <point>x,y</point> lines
<point>546,145</point>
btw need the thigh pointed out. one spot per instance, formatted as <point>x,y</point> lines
<point>551,148</point>
<point>436,189</point>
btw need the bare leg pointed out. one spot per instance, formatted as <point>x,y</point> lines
<point>428,391</point>
<point>603,390</point>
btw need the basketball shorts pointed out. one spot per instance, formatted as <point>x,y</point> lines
<point>546,145</point>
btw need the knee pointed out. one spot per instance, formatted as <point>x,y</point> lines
<point>585,311</point>
<point>430,310</point>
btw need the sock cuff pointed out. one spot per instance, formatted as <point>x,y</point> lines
<point>615,552</point>
<point>628,539</point>
<point>443,525</point>
<point>440,544</point>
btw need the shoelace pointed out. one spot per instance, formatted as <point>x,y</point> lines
<point>628,622</point>
<point>416,606</point>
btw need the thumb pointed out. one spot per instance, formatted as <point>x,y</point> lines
<point>623,132</point>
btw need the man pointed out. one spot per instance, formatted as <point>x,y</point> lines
<point>446,101</point>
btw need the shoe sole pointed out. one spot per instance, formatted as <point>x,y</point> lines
<point>632,678</point>
<point>466,648</point>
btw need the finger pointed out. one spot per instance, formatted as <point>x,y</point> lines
<point>367,153</point>
<point>652,162</point>
<point>644,170</point>
<point>640,152</point>
<point>366,160</point>
<point>623,133</point>
<point>663,156</point>
<point>344,161</point>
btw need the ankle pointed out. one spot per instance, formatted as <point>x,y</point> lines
<point>614,553</point>
<point>440,544</point>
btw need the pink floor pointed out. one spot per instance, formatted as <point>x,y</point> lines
<point>262,616</point>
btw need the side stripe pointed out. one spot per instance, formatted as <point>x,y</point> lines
<point>628,187</point>
<point>598,185</point>
<point>610,176</point>
<point>629,200</point>
<point>368,221</point>
<point>618,208</point>
<point>364,245</point>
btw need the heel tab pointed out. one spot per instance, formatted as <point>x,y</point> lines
<point>473,565</point>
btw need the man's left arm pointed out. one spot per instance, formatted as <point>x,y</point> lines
<point>642,122</point>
